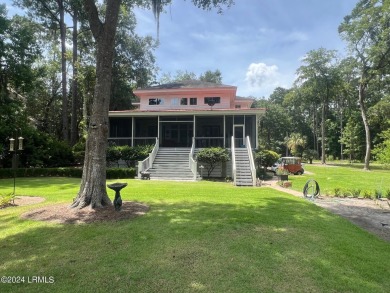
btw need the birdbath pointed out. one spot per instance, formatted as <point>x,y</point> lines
<point>117,187</point>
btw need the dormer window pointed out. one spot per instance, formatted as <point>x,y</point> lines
<point>212,100</point>
<point>156,101</point>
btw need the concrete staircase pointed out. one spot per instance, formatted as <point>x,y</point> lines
<point>171,164</point>
<point>243,169</point>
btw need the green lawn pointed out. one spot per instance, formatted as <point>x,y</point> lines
<point>197,237</point>
<point>346,178</point>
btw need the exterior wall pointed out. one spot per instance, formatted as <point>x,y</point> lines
<point>172,102</point>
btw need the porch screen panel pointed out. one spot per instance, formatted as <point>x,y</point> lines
<point>250,129</point>
<point>146,129</point>
<point>120,130</point>
<point>229,131</point>
<point>120,127</point>
<point>209,131</point>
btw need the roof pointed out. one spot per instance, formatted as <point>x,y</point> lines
<point>137,112</point>
<point>184,84</point>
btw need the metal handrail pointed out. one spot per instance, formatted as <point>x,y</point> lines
<point>148,162</point>
<point>234,167</point>
<point>251,161</point>
<point>193,164</point>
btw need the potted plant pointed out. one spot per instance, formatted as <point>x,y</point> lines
<point>282,173</point>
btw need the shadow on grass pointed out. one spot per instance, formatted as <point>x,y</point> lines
<point>273,244</point>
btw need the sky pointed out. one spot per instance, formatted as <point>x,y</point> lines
<point>256,44</point>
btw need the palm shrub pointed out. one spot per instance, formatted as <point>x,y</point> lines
<point>5,199</point>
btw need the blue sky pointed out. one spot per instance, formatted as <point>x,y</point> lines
<point>256,44</point>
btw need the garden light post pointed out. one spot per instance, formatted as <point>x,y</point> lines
<point>15,145</point>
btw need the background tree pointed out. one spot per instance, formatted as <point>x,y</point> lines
<point>296,143</point>
<point>320,76</point>
<point>367,32</point>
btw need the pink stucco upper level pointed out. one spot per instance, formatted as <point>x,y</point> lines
<point>190,95</point>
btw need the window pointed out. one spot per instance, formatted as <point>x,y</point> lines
<point>193,101</point>
<point>156,101</point>
<point>212,100</point>
<point>238,106</point>
<point>183,101</point>
<point>175,101</point>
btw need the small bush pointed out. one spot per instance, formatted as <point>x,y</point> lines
<point>387,193</point>
<point>5,199</point>
<point>368,194</point>
<point>356,192</point>
<point>212,156</point>
<point>378,193</point>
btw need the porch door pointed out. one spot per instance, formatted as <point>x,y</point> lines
<point>239,136</point>
<point>177,134</point>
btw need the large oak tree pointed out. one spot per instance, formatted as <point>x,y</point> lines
<point>93,184</point>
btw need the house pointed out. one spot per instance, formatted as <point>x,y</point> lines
<point>183,117</point>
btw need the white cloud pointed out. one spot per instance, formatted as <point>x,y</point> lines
<point>260,74</point>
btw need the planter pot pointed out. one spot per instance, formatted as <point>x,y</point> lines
<point>284,177</point>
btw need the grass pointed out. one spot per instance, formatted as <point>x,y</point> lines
<point>197,237</point>
<point>344,178</point>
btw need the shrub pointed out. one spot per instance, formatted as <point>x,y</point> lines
<point>387,193</point>
<point>5,199</point>
<point>356,192</point>
<point>133,154</point>
<point>212,156</point>
<point>337,192</point>
<point>310,155</point>
<point>378,193</point>
<point>112,173</point>
<point>113,155</point>
<point>367,194</point>
<point>266,158</point>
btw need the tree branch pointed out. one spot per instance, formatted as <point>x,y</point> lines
<point>96,25</point>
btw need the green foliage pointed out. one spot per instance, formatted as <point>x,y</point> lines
<point>113,155</point>
<point>310,155</point>
<point>6,199</point>
<point>111,173</point>
<point>266,158</point>
<point>352,139</point>
<point>130,155</point>
<point>296,142</point>
<point>382,150</point>
<point>211,157</point>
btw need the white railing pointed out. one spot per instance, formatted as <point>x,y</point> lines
<point>251,161</point>
<point>234,167</point>
<point>191,161</point>
<point>148,162</point>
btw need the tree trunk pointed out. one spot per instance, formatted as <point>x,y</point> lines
<point>362,89</point>
<point>65,128</point>
<point>73,123</point>
<point>323,134</point>
<point>93,183</point>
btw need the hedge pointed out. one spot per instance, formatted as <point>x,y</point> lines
<point>112,173</point>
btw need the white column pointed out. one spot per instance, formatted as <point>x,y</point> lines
<point>224,131</point>
<point>132,131</point>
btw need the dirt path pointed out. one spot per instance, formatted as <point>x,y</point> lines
<point>371,215</point>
